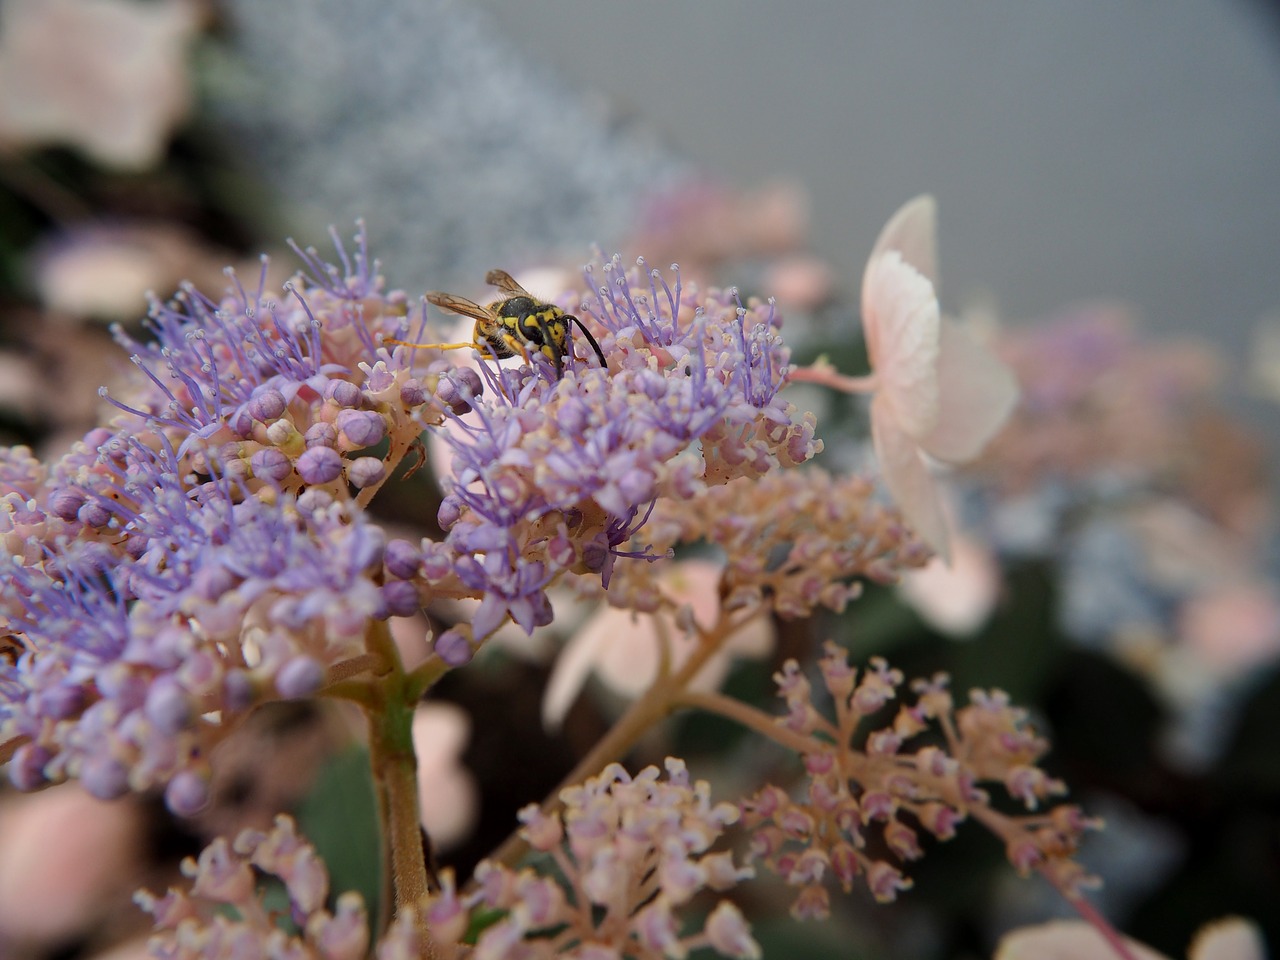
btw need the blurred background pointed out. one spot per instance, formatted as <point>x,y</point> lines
<point>1107,180</point>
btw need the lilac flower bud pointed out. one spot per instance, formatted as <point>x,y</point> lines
<point>366,471</point>
<point>457,390</point>
<point>453,648</point>
<point>237,691</point>
<point>168,706</point>
<point>413,393</point>
<point>187,793</point>
<point>26,767</point>
<point>66,503</point>
<point>300,677</point>
<point>342,392</point>
<point>449,513</point>
<point>400,598</point>
<point>241,423</point>
<point>59,703</point>
<point>270,463</point>
<point>266,406</point>
<point>320,465</point>
<point>104,776</point>
<point>321,435</point>
<point>360,428</point>
<point>402,559</point>
<point>93,514</point>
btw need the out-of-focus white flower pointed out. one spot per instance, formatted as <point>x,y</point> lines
<point>107,76</point>
<point>447,796</point>
<point>938,391</point>
<point>1229,939</point>
<point>624,648</point>
<point>106,270</point>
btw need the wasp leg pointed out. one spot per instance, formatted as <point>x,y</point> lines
<point>428,346</point>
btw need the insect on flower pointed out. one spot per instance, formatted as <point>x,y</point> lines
<point>511,325</point>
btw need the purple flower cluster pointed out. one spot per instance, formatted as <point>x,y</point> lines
<point>206,552</point>
<point>551,476</point>
<point>138,652</point>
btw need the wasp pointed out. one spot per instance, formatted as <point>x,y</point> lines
<point>512,324</point>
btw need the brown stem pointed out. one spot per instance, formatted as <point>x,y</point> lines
<point>765,724</point>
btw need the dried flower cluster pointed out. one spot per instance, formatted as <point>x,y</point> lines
<point>893,782</point>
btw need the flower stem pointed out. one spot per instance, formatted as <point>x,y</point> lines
<point>663,697</point>
<point>748,716</point>
<point>395,778</point>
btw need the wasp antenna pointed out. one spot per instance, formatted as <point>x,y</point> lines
<point>591,340</point>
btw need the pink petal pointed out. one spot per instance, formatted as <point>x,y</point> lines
<point>900,314</point>
<point>573,666</point>
<point>908,478</point>
<point>956,599</point>
<point>977,392</point>
<point>912,232</point>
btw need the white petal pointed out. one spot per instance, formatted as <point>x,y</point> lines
<point>912,232</point>
<point>1231,939</point>
<point>908,479</point>
<point>900,313</point>
<point>976,394</point>
<point>1064,940</point>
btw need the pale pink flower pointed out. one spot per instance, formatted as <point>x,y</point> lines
<point>1229,939</point>
<point>447,796</point>
<point>955,598</point>
<point>64,858</point>
<point>624,648</point>
<point>938,392</point>
<point>107,76</point>
<point>1233,626</point>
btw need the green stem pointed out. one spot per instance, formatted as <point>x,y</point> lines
<point>395,778</point>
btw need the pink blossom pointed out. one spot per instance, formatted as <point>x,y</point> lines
<point>938,392</point>
<point>446,790</point>
<point>62,857</point>
<point>623,648</point>
<point>955,598</point>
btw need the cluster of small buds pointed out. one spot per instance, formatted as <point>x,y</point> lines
<point>286,395</point>
<point>558,475</point>
<point>632,851</point>
<point>197,925</point>
<point>793,540</point>
<point>136,657</point>
<point>897,792</point>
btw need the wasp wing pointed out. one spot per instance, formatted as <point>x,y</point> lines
<point>506,283</point>
<point>460,305</point>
